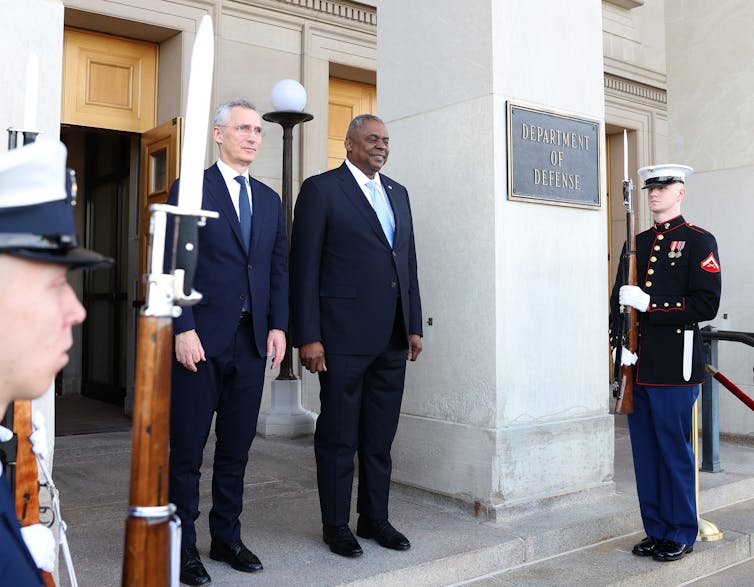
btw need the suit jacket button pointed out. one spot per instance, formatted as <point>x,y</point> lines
<point>393,253</point>
<point>393,284</point>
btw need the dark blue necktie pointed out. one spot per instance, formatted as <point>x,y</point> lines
<point>244,216</point>
<point>244,211</point>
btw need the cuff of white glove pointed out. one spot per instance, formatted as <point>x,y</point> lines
<point>41,544</point>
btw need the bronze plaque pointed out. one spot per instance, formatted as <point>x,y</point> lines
<point>553,158</point>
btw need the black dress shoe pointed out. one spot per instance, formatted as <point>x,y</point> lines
<point>341,541</point>
<point>670,550</point>
<point>383,532</point>
<point>236,555</point>
<point>646,547</point>
<point>192,569</point>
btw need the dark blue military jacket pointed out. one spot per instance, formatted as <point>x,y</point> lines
<point>678,266</point>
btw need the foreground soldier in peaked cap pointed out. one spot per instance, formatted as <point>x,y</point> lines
<point>38,309</point>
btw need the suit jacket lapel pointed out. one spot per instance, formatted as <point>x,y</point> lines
<point>357,198</point>
<point>259,213</point>
<point>218,193</point>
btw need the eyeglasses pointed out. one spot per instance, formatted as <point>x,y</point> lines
<point>244,129</point>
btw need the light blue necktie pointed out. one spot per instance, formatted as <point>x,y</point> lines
<point>244,212</point>
<point>382,208</point>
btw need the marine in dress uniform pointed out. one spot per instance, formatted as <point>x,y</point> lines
<point>679,282</point>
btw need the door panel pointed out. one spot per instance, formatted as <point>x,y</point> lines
<point>108,82</point>
<point>160,150</point>
<point>347,100</point>
<point>107,177</point>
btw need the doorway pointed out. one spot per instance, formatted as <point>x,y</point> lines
<point>104,163</point>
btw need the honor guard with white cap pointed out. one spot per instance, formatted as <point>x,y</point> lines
<point>38,309</point>
<point>678,273</point>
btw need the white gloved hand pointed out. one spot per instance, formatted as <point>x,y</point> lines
<point>627,358</point>
<point>634,296</point>
<point>38,436</point>
<point>5,434</point>
<point>41,544</point>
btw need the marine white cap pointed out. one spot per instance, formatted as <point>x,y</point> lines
<point>664,174</point>
<point>36,207</point>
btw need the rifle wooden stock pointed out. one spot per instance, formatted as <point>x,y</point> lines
<point>625,401</point>
<point>26,490</point>
<point>630,335</point>
<point>146,561</point>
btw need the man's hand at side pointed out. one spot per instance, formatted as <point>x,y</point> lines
<point>188,349</point>
<point>313,357</point>
<point>275,346</point>
<point>414,346</point>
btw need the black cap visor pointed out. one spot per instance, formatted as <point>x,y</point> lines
<point>51,250</point>
<point>662,180</point>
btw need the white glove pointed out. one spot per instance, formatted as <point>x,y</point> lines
<point>634,296</point>
<point>627,358</point>
<point>38,437</point>
<point>41,544</point>
<point>5,434</point>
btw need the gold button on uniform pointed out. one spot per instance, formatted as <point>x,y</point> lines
<point>651,272</point>
<point>667,225</point>
<point>657,247</point>
<point>654,305</point>
<point>660,237</point>
<point>648,283</point>
<point>653,258</point>
<point>678,331</point>
<point>666,304</point>
<point>678,304</point>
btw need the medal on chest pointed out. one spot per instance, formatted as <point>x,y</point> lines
<point>676,248</point>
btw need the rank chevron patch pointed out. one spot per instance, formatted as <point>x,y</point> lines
<point>710,264</point>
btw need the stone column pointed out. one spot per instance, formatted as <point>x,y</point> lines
<point>509,402</point>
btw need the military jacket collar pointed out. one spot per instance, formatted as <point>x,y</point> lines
<point>673,223</point>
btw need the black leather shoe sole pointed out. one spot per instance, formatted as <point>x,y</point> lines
<point>393,539</point>
<point>251,566</point>
<point>666,556</point>
<point>195,576</point>
<point>646,547</point>
<point>346,546</point>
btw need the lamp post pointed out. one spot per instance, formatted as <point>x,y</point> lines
<point>286,416</point>
<point>288,99</point>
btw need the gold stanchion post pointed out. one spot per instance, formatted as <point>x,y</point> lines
<point>708,532</point>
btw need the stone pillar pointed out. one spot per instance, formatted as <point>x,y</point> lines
<point>32,26</point>
<point>509,402</point>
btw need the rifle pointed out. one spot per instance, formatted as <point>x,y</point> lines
<point>152,543</point>
<point>628,335</point>
<point>25,482</point>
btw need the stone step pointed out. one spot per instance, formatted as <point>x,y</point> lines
<point>610,562</point>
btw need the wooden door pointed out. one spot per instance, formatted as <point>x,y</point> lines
<point>108,82</point>
<point>160,164</point>
<point>347,100</point>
